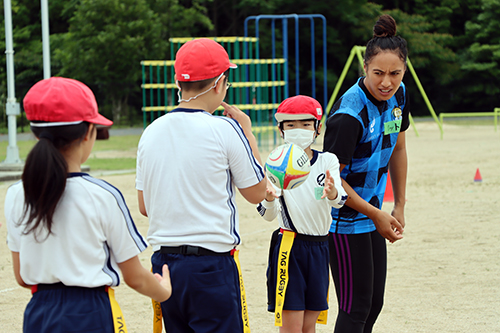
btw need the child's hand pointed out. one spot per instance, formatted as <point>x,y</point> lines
<point>241,117</point>
<point>329,190</point>
<point>164,279</point>
<point>270,192</point>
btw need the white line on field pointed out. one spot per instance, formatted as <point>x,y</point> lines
<point>9,289</point>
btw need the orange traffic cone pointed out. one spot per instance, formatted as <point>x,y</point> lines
<point>477,177</point>
<point>388,195</point>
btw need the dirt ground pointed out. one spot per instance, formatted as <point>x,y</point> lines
<point>444,276</point>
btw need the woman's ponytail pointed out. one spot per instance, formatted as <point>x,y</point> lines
<point>385,39</point>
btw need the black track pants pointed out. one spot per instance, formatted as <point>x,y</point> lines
<point>359,266</point>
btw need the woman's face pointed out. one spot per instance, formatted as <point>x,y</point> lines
<point>384,74</point>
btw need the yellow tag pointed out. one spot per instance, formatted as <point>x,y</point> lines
<point>244,307</point>
<point>157,315</point>
<point>118,320</point>
<point>323,315</point>
<point>282,275</point>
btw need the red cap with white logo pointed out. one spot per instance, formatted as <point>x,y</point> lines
<point>201,59</point>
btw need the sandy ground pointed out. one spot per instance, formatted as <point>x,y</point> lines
<point>444,276</point>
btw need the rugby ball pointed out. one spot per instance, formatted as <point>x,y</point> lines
<point>288,166</point>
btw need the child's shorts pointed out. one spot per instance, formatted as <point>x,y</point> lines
<point>308,275</point>
<point>69,309</point>
<point>205,293</point>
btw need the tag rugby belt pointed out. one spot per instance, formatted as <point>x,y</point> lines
<point>60,285</point>
<point>192,250</point>
<point>307,238</point>
<point>116,311</point>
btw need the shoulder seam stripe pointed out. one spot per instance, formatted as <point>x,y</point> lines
<point>134,233</point>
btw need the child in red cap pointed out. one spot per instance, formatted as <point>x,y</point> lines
<point>71,234</point>
<point>189,163</point>
<point>300,246</point>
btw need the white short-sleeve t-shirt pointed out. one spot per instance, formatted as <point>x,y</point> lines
<point>188,164</point>
<point>92,231</point>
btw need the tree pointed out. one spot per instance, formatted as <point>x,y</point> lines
<point>27,38</point>
<point>182,18</point>
<point>453,44</point>
<point>481,60</point>
<point>435,31</point>
<point>106,41</point>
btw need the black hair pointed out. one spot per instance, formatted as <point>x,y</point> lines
<point>202,84</point>
<point>281,124</point>
<point>385,39</point>
<point>45,172</point>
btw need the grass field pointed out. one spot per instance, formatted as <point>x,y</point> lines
<point>116,153</point>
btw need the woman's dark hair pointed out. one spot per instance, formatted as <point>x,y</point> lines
<point>385,39</point>
<point>45,172</point>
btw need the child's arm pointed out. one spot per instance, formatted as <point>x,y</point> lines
<point>156,286</point>
<point>17,270</point>
<point>245,122</point>
<point>333,189</point>
<point>269,207</point>
<point>142,205</point>
<point>253,194</point>
<point>271,191</point>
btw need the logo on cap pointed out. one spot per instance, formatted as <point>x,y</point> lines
<point>186,76</point>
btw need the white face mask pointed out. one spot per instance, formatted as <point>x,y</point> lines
<point>300,137</point>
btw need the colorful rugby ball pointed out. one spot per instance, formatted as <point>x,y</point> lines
<point>288,166</point>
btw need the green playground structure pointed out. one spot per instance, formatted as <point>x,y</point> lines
<point>257,85</point>
<point>495,114</point>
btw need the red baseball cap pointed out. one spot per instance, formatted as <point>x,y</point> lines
<point>299,107</point>
<point>201,59</point>
<point>60,101</point>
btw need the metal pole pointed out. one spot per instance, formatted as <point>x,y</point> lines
<point>45,39</point>
<point>285,56</point>
<point>313,60</point>
<point>297,60</point>
<point>424,95</point>
<point>11,107</point>
<point>340,80</point>
<point>325,83</point>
